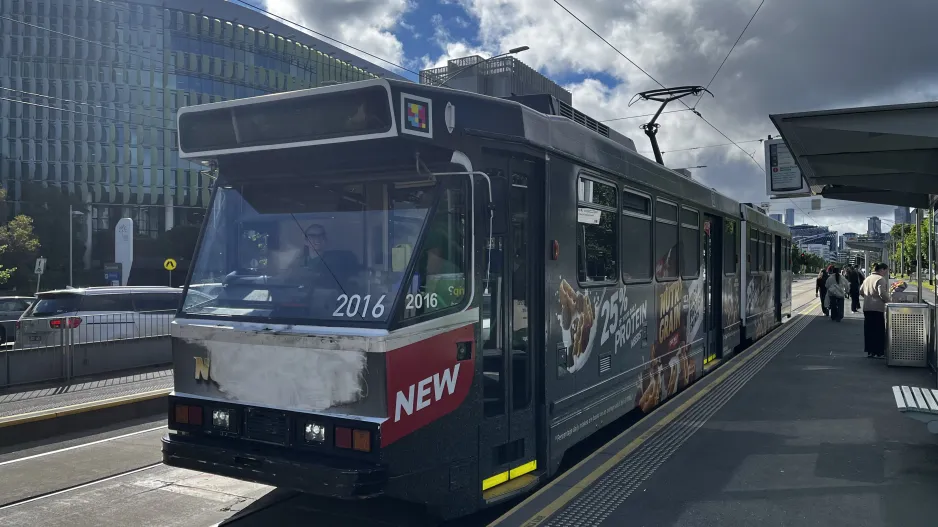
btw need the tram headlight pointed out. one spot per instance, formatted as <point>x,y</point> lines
<point>221,419</point>
<point>314,433</point>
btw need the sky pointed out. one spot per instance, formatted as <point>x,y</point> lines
<point>796,55</point>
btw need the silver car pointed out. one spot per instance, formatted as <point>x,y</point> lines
<point>11,307</point>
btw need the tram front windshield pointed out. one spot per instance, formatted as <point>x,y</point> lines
<point>302,252</point>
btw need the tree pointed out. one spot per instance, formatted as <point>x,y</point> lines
<point>48,207</point>
<point>18,246</point>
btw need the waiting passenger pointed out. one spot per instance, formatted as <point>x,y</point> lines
<point>855,278</point>
<point>875,293</point>
<point>836,286</point>
<point>820,289</point>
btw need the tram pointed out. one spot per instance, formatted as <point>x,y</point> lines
<point>428,294</point>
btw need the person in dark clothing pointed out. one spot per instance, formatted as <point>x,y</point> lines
<point>820,289</point>
<point>853,276</point>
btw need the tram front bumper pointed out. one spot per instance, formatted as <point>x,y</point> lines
<point>334,479</point>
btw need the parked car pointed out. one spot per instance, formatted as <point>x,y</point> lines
<point>11,308</point>
<point>97,314</point>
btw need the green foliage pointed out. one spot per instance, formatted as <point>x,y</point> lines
<point>904,237</point>
<point>48,208</point>
<point>805,262</point>
<point>18,244</point>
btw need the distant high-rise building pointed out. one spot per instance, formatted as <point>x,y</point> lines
<point>776,217</point>
<point>903,216</point>
<point>790,217</point>
<point>874,226</point>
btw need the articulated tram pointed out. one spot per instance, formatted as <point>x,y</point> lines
<point>431,295</point>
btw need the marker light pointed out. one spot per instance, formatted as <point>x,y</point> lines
<point>314,433</point>
<point>221,419</point>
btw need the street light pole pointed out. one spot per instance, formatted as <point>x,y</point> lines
<point>70,242</point>
<point>511,51</point>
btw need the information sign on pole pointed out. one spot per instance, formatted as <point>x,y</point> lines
<point>40,268</point>
<point>783,177</point>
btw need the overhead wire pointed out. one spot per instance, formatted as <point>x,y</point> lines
<point>75,37</point>
<point>705,146</point>
<point>643,115</point>
<point>623,55</point>
<point>743,32</point>
<point>60,99</point>
<point>323,35</point>
<point>2,98</point>
<point>656,81</point>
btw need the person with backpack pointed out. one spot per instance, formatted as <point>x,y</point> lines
<point>836,286</point>
<point>875,293</point>
<point>820,289</point>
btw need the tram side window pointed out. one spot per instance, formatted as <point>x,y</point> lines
<point>753,256</point>
<point>597,233</point>
<point>690,243</point>
<point>763,254</point>
<point>439,279</point>
<point>666,248</point>
<point>730,247</point>
<point>636,228</point>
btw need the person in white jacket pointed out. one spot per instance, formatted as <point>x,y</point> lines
<point>837,286</point>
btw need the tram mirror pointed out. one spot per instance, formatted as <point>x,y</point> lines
<point>400,255</point>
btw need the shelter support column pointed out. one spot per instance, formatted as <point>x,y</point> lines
<point>918,254</point>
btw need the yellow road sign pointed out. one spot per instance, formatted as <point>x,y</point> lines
<point>169,264</point>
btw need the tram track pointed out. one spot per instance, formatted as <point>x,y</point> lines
<point>53,493</point>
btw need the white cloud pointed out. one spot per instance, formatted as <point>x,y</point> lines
<point>365,24</point>
<point>797,55</point>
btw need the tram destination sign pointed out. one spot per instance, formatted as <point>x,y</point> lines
<point>317,116</point>
<point>782,175</point>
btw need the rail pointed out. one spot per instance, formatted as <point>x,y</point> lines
<point>65,347</point>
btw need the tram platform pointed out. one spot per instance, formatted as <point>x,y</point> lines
<point>801,430</point>
<point>117,393</point>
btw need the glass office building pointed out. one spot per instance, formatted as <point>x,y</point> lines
<point>89,91</point>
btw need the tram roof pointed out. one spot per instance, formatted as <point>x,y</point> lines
<point>876,154</point>
<point>506,120</point>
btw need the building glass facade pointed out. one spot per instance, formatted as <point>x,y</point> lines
<point>89,91</point>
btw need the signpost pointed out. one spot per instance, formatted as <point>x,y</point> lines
<point>40,268</point>
<point>169,265</point>
<point>783,177</point>
<point>112,273</point>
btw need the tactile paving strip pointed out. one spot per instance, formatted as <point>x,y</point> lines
<point>607,493</point>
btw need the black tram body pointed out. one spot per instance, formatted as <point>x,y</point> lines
<point>579,281</point>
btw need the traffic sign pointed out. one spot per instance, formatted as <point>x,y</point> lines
<point>169,264</point>
<point>40,265</point>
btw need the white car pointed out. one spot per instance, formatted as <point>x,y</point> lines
<point>97,314</point>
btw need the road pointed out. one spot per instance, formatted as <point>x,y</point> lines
<point>115,478</point>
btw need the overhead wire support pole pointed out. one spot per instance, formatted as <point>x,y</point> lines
<point>664,96</point>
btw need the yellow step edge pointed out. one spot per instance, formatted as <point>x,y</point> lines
<point>498,479</point>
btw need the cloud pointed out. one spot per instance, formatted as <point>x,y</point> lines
<point>797,55</point>
<point>365,24</point>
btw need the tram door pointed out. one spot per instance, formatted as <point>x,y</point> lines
<point>713,288</point>
<point>507,445</point>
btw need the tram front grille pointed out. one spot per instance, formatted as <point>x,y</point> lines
<point>269,426</point>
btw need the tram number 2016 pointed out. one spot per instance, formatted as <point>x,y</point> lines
<point>422,300</point>
<point>351,306</point>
